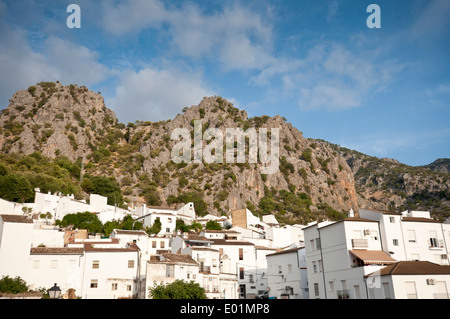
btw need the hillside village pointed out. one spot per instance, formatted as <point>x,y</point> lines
<point>373,254</point>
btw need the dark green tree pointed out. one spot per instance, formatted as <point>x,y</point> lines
<point>213,225</point>
<point>179,289</point>
<point>13,285</point>
<point>16,188</point>
<point>104,186</point>
<point>84,220</point>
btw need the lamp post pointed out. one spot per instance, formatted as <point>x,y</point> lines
<point>54,292</point>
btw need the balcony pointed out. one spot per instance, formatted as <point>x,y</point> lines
<point>360,243</point>
<point>205,269</point>
<point>343,294</point>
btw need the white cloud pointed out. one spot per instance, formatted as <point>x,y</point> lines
<point>236,37</point>
<point>153,94</point>
<point>57,59</point>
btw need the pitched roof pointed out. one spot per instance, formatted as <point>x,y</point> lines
<point>56,251</point>
<point>286,251</point>
<point>370,257</point>
<point>230,242</point>
<point>129,232</point>
<point>17,219</point>
<point>171,258</point>
<point>420,219</point>
<point>415,268</point>
<point>130,248</point>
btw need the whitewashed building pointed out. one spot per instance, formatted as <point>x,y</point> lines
<point>412,235</point>
<point>411,280</point>
<point>287,274</point>
<point>340,254</point>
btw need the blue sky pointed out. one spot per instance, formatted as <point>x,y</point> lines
<point>384,92</point>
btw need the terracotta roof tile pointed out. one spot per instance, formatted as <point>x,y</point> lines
<point>56,251</point>
<point>415,268</point>
<point>17,219</point>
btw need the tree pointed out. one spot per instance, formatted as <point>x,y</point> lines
<point>13,285</point>
<point>16,188</point>
<point>179,289</point>
<point>85,220</point>
<point>156,227</point>
<point>213,225</point>
<point>103,186</point>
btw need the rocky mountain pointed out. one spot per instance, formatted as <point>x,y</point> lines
<point>440,165</point>
<point>316,179</point>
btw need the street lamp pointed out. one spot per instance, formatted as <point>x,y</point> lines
<point>54,292</point>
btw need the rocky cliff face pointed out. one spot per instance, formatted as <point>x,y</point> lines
<point>54,119</point>
<point>315,179</point>
<point>390,185</point>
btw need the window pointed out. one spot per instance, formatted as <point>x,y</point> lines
<point>280,269</point>
<point>241,272</point>
<point>320,265</point>
<point>415,257</point>
<point>153,243</point>
<point>167,230</point>
<point>114,286</point>
<point>386,290</point>
<point>357,292</point>
<point>162,244</point>
<point>53,264</point>
<point>395,242</point>
<point>318,246</point>
<point>95,264</point>
<point>392,219</point>
<point>241,254</point>
<point>433,239</point>
<point>316,289</point>
<point>36,264</point>
<point>128,287</point>
<point>410,288</point>
<point>94,283</point>
<point>170,271</point>
<point>411,235</point>
<point>434,242</point>
<point>314,266</point>
<point>311,243</point>
<point>331,286</point>
<point>289,268</point>
<point>130,263</point>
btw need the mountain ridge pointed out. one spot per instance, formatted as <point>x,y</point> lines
<point>316,179</point>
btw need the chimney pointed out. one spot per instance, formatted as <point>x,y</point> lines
<point>350,213</point>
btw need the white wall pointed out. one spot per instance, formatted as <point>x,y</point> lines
<point>64,270</point>
<point>113,269</point>
<point>15,243</point>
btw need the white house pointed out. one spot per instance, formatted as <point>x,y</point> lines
<point>111,273</point>
<point>168,216</point>
<point>340,254</point>
<point>60,265</point>
<point>168,267</point>
<point>16,234</point>
<point>239,258</point>
<point>287,275</point>
<point>412,235</point>
<point>411,280</point>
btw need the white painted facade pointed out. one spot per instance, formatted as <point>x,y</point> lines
<point>111,273</point>
<point>287,274</point>
<point>333,271</point>
<point>412,235</point>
